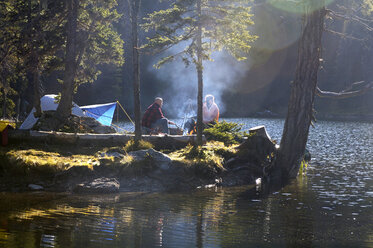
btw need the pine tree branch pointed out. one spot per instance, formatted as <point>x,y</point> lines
<point>164,48</point>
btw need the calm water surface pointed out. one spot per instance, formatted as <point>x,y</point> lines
<point>329,206</point>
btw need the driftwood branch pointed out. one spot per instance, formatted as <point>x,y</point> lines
<point>348,92</point>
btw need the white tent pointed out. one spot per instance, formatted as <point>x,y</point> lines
<point>47,103</point>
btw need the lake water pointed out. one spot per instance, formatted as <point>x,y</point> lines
<point>329,206</point>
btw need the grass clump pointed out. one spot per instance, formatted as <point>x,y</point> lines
<point>221,149</point>
<point>204,160</point>
<point>303,167</point>
<point>44,162</point>
<point>135,146</point>
<point>227,132</point>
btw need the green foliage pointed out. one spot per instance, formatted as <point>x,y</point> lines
<point>135,146</point>
<point>227,132</point>
<point>367,7</point>
<point>97,42</point>
<point>34,32</point>
<point>11,58</point>
<point>33,38</point>
<point>10,105</point>
<point>225,25</point>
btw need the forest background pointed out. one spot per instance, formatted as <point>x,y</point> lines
<point>241,88</point>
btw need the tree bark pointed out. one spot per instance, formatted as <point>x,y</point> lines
<point>64,107</point>
<point>34,64</point>
<point>300,108</point>
<point>134,10</point>
<point>35,84</point>
<point>4,102</point>
<point>199,75</point>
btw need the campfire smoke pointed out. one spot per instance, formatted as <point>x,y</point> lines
<point>219,75</point>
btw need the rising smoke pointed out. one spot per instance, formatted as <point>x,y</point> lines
<point>219,75</point>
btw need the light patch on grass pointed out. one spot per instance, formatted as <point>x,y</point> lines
<point>53,160</point>
<point>126,159</point>
<point>141,145</point>
<point>207,159</point>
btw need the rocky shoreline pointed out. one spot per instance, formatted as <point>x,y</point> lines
<point>114,169</point>
<point>158,172</point>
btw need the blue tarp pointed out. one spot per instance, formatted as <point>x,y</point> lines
<point>101,112</point>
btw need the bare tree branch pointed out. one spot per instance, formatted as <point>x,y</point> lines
<point>343,35</point>
<point>351,18</point>
<point>348,92</point>
<point>355,10</point>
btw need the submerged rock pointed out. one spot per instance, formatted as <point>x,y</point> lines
<point>98,185</point>
<point>35,187</point>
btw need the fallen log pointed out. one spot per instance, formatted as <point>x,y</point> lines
<point>100,140</point>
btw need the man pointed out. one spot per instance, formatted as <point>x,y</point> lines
<point>210,110</point>
<point>153,118</point>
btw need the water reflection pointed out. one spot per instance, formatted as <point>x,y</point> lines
<point>47,240</point>
<point>330,206</point>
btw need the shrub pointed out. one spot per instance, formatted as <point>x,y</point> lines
<point>227,132</point>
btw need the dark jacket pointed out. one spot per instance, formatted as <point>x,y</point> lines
<point>152,114</point>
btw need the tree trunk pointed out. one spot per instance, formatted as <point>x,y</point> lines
<point>35,84</point>
<point>18,108</point>
<point>199,75</point>
<point>300,108</point>
<point>134,10</point>
<point>4,102</point>
<point>34,64</point>
<point>64,107</point>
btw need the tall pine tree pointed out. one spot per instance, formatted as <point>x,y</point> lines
<point>91,41</point>
<point>201,27</point>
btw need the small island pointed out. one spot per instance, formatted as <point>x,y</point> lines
<point>109,163</point>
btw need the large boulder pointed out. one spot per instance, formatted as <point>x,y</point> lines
<point>160,160</point>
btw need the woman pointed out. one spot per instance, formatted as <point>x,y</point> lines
<point>210,110</point>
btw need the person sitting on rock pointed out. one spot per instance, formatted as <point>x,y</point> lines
<point>154,120</point>
<point>210,111</point>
